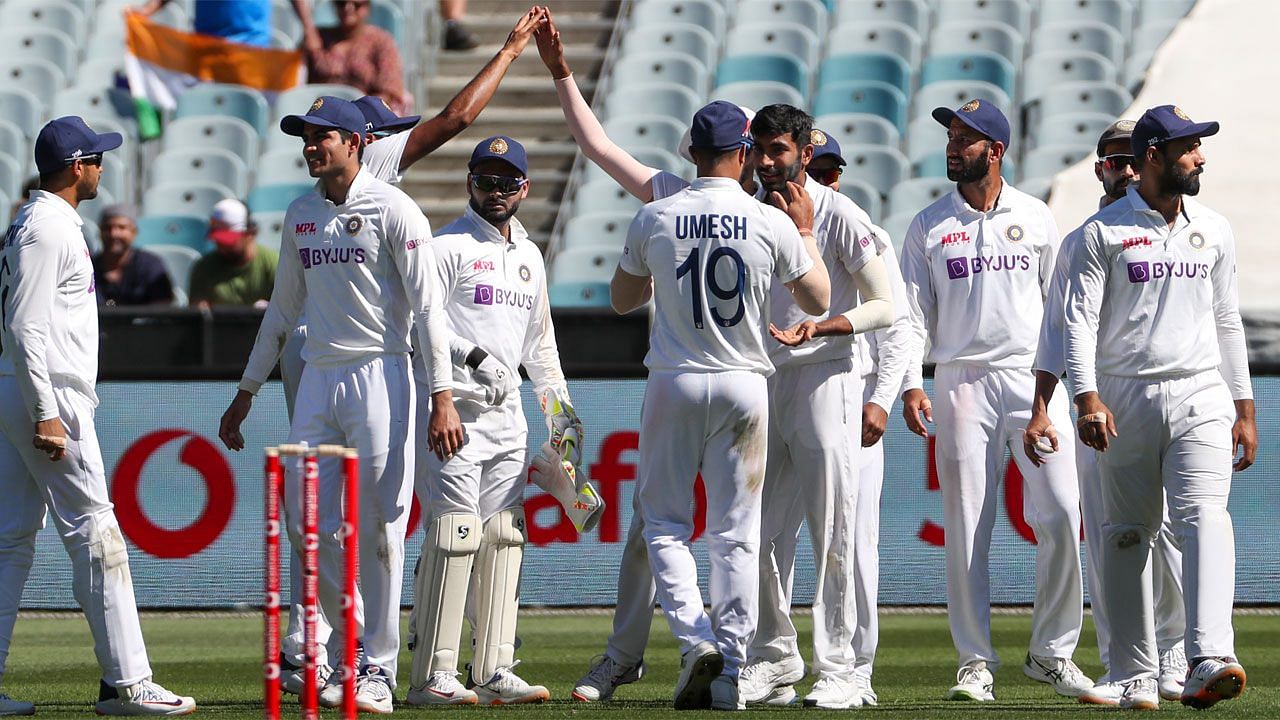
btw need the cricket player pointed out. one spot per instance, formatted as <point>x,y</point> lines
<point>50,461</point>
<point>494,286</point>
<point>1115,168</point>
<point>355,254</point>
<point>1156,354</point>
<point>814,401</point>
<point>707,256</point>
<point>976,264</point>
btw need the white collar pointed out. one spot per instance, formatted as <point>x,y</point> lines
<point>58,203</point>
<point>488,233</point>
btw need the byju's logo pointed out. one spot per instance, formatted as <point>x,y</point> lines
<point>958,268</point>
<point>1139,272</point>
<point>484,295</point>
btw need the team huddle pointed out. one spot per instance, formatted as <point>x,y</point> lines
<point>783,329</point>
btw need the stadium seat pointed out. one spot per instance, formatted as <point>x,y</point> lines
<point>604,197</point>
<point>597,228</point>
<point>875,98</point>
<point>1037,187</point>
<point>879,167</point>
<point>579,294</point>
<point>1080,36</point>
<point>286,166</point>
<point>654,157</point>
<point>227,133</point>
<point>208,164</point>
<point>284,19</point>
<point>46,15</point>
<point>913,13</point>
<point>978,35</point>
<point>1150,10</point>
<point>1112,13</point>
<point>878,36</point>
<point>775,38</point>
<point>912,196</point>
<point>1049,160</point>
<point>191,199</point>
<point>22,108</point>
<point>954,93</point>
<point>116,177</point>
<point>41,77</point>
<point>1105,98</point>
<point>385,15</point>
<point>270,226</point>
<point>879,66</point>
<point>1045,70</point>
<point>6,204</point>
<point>700,13</point>
<point>97,103</point>
<point>11,175</point>
<point>1071,129</point>
<point>809,13</point>
<point>595,263</point>
<point>757,68</point>
<point>656,131</point>
<point>273,198</point>
<point>984,66</point>
<point>183,230</point>
<point>859,129</point>
<point>669,67</point>
<point>1014,13</point>
<point>925,137</point>
<point>1151,35</point>
<point>13,141</point>
<point>1135,72</point>
<point>177,261</point>
<point>668,99</point>
<point>756,95</point>
<point>895,226</point>
<point>222,99</point>
<point>297,100</point>
<point>863,194</point>
<point>45,44</point>
<point>688,39</point>
<point>280,40</point>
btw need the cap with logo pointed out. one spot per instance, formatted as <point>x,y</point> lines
<point>1163,123</point>
<point>980,115</point>
<point>719,126</point>
<point>378,116</point>
<point>67,139</point>
<point>500,147</point>
<point>825,146</point>
<point>328,112</point>
<point>687,138</point>
<point>1118,130</point>
<point>228,222</point>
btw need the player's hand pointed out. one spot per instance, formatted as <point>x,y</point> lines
<point>444,432</point>
<point>796,335</point>
<point>915,404</point>
<point>51,438</point>
<point>229,427</point>
<point>495,378</point>
<point>550,49</point>
<point>1096,424</point>
<point>874,421</point>
<point>520,35</point>
<point>1039,438</point>
<point>798,207</point>
<point>1244,435</point>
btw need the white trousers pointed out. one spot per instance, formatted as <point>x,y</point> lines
<point>814,418</point>
<point>1175,441</point>
<point>715,423</point>
<point>980,412</point>
<point>633,614</point>
<point>368,406</point>
<point>74,492</point>
<point>1166,566</point>
<point>866,545</point>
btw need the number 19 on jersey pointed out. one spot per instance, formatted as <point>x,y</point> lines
<point>698,278</point>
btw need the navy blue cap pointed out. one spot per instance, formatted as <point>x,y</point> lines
<point>67,139</point>
<point>824,145</point>
<point>721,125</point>
<point>326,111</point>
<point>378,116</point>
<point>1164,123</point>
<point>980,115</point>
<point>500,147</point>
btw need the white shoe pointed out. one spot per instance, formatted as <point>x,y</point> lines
<point>834,693</point>
<point>330,693</point>
<point>781,696</point>
<point>373,691</point>
<point>442,688</point>
<point>141,698</point>
<point>1061,673</point>
<point>702,664</point>
<point>1140,694</point>
<point>605,675</point>
<point>507,688</point>
<point>869,697</point>
<point>292,681</point>
<point>1211,681</point>
<point>724,694</point>
<point>1104,693</point>
<point>973,682</point>
<point>10,707</point>
<point>760,677</point>
<point>1173,673</point>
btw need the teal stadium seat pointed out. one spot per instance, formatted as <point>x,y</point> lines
<point>214,131</point>
<point>1049,160</point>
<point>594,263</point>
<point>913,13</point>
<point>1014,13</point>
<point>756,95</point>
<point>46,14</point>
<point>674,101</point>
<point>1072,129</point>
<point>191,199</point>
<point>209,164</point>
<point>177,261</point>
<point>270,227</point>
<point>608,229</point>
<point>656,131</point>
<point>1037,187</point>
<point>1148,38</point>
<point>688,39</point>
<point>859,129</point>
<point>954,93</point>
<point>912,196</point>
<point>669,67</point>
<point>984,66</point>
<point>809,13</point>
<point>22,108</point>
<point>978,36</point>
<point>385,15</point>
<point>1080,36</point>
<point>701,13</point>
<point>785,69</point>
<point>579,295</point>
<point>775,39</point>
<point>1112,13</point>
<point>6,204</point>
<point>39,76</point>
<point>272,198</point>
<point>875,98</point>
<point>878,36</point>
<point>222,99</point>
<point>43,43</point>
<point>878,166</point>
<point>286,166</point>
<point>189,232</point>
<point>1046,70</point>
<point>863,194</point>
<point>879,66</point>
<point>604,196</point>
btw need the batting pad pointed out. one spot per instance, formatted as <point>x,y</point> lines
<point>497,599</point>
<point>441,592</point>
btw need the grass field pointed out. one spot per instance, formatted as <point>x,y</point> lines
<point>216,658</point>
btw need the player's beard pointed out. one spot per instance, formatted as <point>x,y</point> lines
<point>1116,188</point>
<point>1176,182</point>
<point>788,173</point>
<point>970,172</point>
<point>495,217</point>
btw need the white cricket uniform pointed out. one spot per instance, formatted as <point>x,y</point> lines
<point>1167,557</point>
<point>713,252</point>
<point>815,401</point>
<point>363,271</point>
<point>976,283</point>
<point>1153,326</point>
<point>48,369</point>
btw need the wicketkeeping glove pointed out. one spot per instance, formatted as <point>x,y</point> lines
<point>582,504</point>
<point>564,426</point>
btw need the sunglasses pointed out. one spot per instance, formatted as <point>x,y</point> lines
<point>500,183</point>
<point>1117,162</point>
<point>85,160</point>
<point>826,177</point>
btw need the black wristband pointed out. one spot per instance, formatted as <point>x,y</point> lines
<point>475,357</point>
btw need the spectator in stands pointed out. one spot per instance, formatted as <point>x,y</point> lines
<point>358,54</point>
<point>456,35</point>
<point>242,21</point>
<point>123,274</point>
<point>238,271</point>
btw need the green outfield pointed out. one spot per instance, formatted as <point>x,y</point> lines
<point>216,659</point>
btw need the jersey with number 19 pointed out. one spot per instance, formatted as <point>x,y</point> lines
<point>712,250</point>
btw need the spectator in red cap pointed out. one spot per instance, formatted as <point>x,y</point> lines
<point>238,271</point>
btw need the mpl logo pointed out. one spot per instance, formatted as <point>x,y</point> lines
<point>304,229</point>
<point>958,268</point>
<point>955,238</point>
<point>1139,272</point>
<point>484,295</point>
<point>482,266</point>
<point>1133,242</point>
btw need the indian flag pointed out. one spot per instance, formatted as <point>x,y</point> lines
<point>161,63</point>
